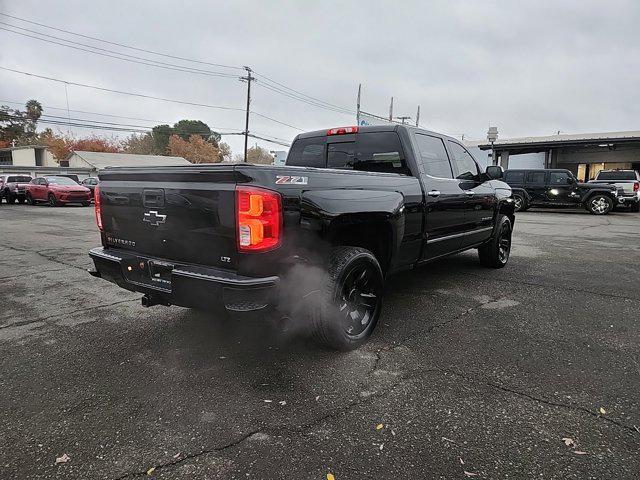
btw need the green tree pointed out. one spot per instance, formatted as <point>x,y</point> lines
<point>160,135</point>
<point>141,144</point>
<point>19,126</point>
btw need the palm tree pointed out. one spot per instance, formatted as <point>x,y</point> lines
<point>34,110</point>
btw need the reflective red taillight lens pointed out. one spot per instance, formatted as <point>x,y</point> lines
<point>258,219</point>
<point>636,186</point>
<point>98,207</point>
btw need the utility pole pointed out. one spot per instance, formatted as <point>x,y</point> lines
<point>247,79</point>
<point>418,117</point>
<point>391,110</point>
<point>358,104</point>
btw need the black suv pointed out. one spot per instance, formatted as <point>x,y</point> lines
<point>559,188</point>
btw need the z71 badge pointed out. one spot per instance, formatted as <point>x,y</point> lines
<point>291,180</point>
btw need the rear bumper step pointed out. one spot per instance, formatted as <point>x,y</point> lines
<point>183,284</point>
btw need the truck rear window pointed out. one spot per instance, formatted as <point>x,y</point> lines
<point>19,179</point>
<point>617,175</point>
<point>371,152</point>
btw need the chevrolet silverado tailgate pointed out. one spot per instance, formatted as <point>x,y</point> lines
<point>183,214</point>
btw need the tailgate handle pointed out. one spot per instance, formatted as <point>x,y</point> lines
<point>153,197</point>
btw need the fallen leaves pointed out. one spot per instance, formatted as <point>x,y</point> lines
<point>330,476</point>
<point>602,411</point>
<point>151,470</point>
<point>569,442</point>
<point>379,426</point>
<point>579,452</point>
<point>470,474</point>
<point>62,459</point>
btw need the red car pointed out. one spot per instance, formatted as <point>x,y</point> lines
<point>57,190</point>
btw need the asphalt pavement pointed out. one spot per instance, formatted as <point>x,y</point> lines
<point>531,371</point>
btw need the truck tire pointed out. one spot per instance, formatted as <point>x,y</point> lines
<point>30,199</point>
<point>520,203</point>
<point>495,253</point>
<point>635,207</point>
<point>348,306</point>
<point>599,204</point>
<point>10,198</point>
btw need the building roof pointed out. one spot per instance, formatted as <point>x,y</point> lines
<point>564,139</point>
<point>23,147</point>
<point>101,160</point>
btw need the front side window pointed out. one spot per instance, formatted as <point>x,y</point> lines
<point>558,178</point>
<point>466,165</point>
<point>434,156</point>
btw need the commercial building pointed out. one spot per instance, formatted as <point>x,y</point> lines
<point>36,160</point>
<point>584,154</point>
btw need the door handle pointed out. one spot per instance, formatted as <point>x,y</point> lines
<point>469,192</point>
<point>434,193</point>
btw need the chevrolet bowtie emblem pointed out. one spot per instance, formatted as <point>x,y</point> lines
<point>154,218</point>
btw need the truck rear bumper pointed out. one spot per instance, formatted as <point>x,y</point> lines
<point>167,282</point>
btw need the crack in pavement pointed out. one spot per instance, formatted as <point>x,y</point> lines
<point>46,257</point>
<point>564,287</point>
<point>576,408</point>
<point>81,310</point>
<point>11,277</point>
<point>276,430</point>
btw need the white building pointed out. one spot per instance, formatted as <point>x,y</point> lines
<point>95,161</point>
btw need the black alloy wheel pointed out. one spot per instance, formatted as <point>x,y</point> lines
<point>358,299</point>
<point>52,200</point>
<point>495,253</point>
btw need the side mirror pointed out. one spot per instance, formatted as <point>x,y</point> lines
<point>570,181</point>
<point>495,172</point>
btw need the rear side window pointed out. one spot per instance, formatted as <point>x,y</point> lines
<point>370,152</point>
<point>19,179</point>
<point>466,165</point>
<point>535,178</point>
<point>617,175</point>
<point>514,177</point>
<point>307,152</point>
<point>434,156</point>
<point>558,178</point>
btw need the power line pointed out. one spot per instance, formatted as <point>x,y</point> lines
<point>115,127</point>
<point>121,44</point>
<point>141,95</point>
<point>274,85</point>
<point>121,56</point>
<point>304,94</point>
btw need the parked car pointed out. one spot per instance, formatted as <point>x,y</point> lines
<point>626,180</point>
<point>559,188</point>
<point>315,239</point>
<point>90,183</point>
<point>14,188</point>
<point>57,190</point>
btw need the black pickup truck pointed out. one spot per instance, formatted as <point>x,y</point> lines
<point>315,238</point>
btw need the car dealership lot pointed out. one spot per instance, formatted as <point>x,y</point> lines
<point>483,372</point>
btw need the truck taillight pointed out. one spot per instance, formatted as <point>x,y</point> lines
<point>258,219</point>
<point>636,186</point>
<point>98,207</point>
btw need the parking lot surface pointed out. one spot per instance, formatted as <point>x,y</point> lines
<point>528,371</point>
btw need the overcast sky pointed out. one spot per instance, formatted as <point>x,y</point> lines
<point>530,68</point>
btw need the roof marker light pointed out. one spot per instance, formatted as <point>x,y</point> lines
<point>342,130</point>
